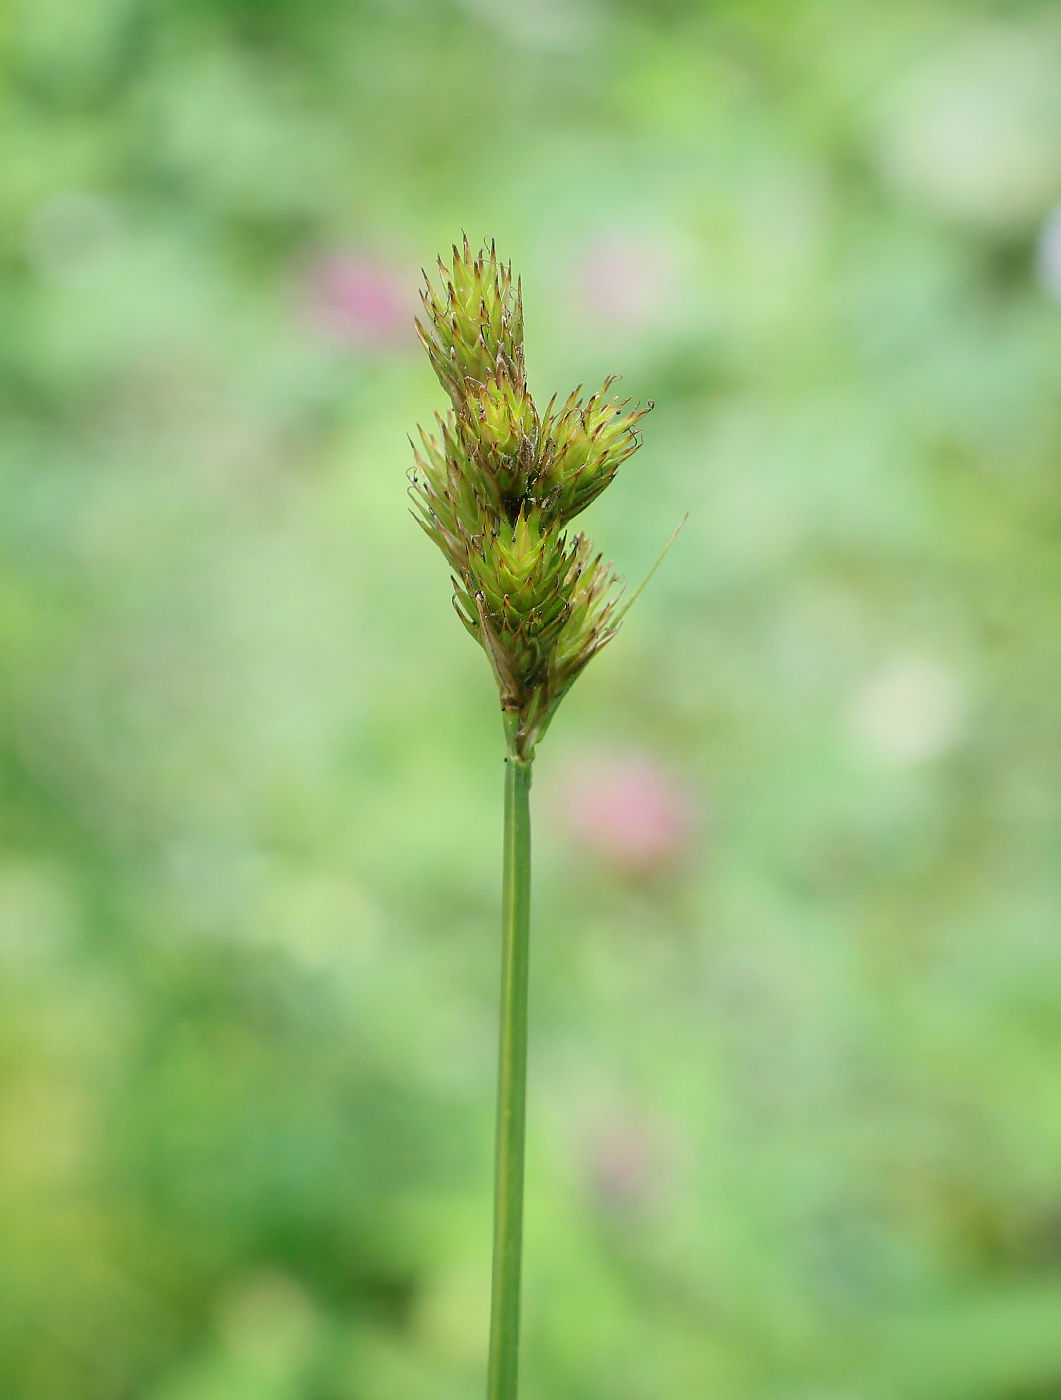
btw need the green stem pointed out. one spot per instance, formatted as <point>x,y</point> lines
<point>511,1085</point>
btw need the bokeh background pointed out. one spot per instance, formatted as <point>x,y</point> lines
<point>795,1095</point>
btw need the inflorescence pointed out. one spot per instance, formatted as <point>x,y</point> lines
<point>499,484</point>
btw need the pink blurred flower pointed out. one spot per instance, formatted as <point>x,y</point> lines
<point>627,280</point>
<point>623,1165</point>
<point>630,812</point>
<point>362,301</point>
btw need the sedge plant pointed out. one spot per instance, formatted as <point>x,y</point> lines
<point>496,486</point>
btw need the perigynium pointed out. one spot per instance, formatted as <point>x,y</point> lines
<point>496,486</point>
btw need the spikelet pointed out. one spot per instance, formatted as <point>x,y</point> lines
<point>497,484</point>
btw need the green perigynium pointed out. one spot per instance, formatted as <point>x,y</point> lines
<point>497,486</point>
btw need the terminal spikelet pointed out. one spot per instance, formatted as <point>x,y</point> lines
<point>497,484</point>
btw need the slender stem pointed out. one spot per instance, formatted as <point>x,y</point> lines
<point>511,1085</point>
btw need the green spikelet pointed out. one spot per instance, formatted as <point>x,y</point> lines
<point>497,485</point>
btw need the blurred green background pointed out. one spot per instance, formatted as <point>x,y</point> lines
<point>795,1106</point>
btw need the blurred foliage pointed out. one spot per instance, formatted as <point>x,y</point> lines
<point>796,1092</point>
